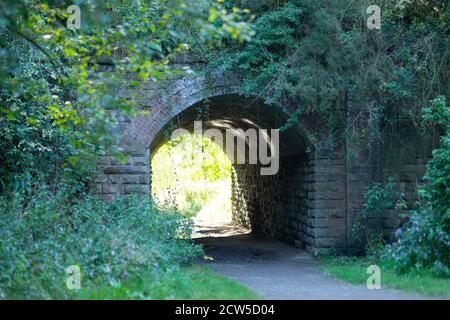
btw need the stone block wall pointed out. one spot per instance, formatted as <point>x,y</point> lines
<point>304,204</point>
<point>328,207</point>
<point>404,157</point>
<point>131,176</point>
<point>401,155</point>
<point>256,200</point>
<point>314,199</point>
<point>295,222</point>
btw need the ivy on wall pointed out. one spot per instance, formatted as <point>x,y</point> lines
<point>315,56</point>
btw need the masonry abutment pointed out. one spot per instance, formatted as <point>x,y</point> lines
<point>313,199</point>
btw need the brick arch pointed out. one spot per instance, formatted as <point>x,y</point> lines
<point>233,111</point>
<point>317,212</point>
<point>303,204</point>
<point>164,103</point>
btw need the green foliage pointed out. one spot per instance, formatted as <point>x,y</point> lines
<point>62,93</point>
<point>63,90</point>
<point>438,171</point>
<point>189,282</point>
<point>424,241</point>
<point>354,270</point>
<point>421,244</point>
<point>293,56</point>
<point>110,242</point>
<point>194,201</point>
<point>378,199</point>
<point>189,173</point>
<point>198,157</point>
<point>315,57</point>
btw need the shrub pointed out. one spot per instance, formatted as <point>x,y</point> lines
<point>110,242</point>
<point>368,230</point>
<point>195,200</point>
<point>424,242</point>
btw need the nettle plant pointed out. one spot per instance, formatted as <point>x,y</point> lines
<point>367,231</point>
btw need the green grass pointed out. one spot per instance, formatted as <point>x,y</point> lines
<point>191,282</point>
<point>354,270</point>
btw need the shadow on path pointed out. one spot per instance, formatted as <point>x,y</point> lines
<point>276,270</point>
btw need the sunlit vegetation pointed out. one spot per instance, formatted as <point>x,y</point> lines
<point>109,242</point>
<point>59,103</point>
<point>193,174</point>
<point>418,261</point>
<point>190,282</point>
<point>354,270</point>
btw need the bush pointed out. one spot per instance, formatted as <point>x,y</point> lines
<point>367,231</point>
<point>424,242</point>
<point>421,244</point>
<point>195,200</point>
<point>110,242</point>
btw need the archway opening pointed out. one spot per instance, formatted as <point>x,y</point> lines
<point>276,205</point>
<point>193,175</point>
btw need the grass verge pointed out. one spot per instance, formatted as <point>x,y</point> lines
<point>354,270</point>
<point>189,282</point>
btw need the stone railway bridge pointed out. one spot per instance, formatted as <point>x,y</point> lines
<point>313,199</point>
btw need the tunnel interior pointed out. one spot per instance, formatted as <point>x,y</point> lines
<point>272,205</point>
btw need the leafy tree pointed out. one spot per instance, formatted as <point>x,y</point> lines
<point>62,92</point>
<point>189,172</point>
<point>315,56</point>
<point>63,86</point>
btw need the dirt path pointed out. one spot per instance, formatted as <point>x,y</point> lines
<point>276,270</point>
